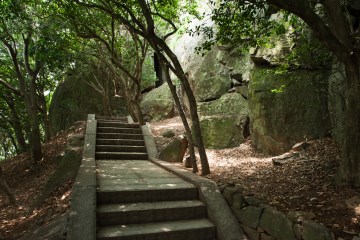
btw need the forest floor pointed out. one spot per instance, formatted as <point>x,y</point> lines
<point>27,183</point>
<point>305,183</point>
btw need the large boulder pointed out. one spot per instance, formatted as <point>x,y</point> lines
<point>224,121</point>
<point>72,101</point>
<point>158,104</point>
<point>175,150</point>
<point>286,108</point>
<point>210,73</point>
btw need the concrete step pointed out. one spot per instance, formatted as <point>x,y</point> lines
<point>121,156</point>
<point>120,148</point>
<point>101,123</point>
<point>119,130</point>
<point>146,212</point>
<point>132,142</point>
<point>116,193</point>
<point>198,229</point>
<point>119,136</point>
<point>110,118</point>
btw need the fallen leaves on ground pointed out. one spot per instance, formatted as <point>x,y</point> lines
<point>26,182</point>
<point>304,183</point>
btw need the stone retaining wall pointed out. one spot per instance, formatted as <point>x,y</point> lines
<point>262,222</point>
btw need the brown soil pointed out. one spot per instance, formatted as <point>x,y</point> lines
<point>305,183</point>
<point>27,183</point>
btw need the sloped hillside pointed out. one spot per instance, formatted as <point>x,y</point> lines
<point>27,184</point>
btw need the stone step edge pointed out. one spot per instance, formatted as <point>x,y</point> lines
<point>144,206</point>
<point>154,228</point>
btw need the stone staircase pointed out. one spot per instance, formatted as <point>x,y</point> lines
<point>137,199</point>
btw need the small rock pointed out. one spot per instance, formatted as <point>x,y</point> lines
<point>298,231</point>
<point>313,199</point>
<point>300,146</point>
<point>187,162</point>
<point>353,202</point>
<point>351,232</point>
<point>167,133</point>
<point>300,216</point>
<point>312,230</point>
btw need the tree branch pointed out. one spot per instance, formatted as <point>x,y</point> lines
<point>321,30</point>
<point>10,87</point>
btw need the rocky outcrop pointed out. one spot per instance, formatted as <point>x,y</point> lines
<point>158,104</point>
<point>286,108</point>
<point>224,122</point>
<point>72,100</point>
<point>223,115</point>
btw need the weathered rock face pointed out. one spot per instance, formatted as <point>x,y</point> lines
<point>281,119</point>
<point>72,101</point>
<point>277,120</point>
<point>158,104</point>
<point>213,74</point>
<point>224,121</point>
<point>223,116</point>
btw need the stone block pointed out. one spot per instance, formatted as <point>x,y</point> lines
<point>238,201</point>
<point>298,231</point>
<point>312,230</point>
<point>277,224</point>
<point>249,216</point>
<point>264,236</point>
<point>252,234</point>
<point>229,193</point>
<point>253,201</point>
<point>82,219</point>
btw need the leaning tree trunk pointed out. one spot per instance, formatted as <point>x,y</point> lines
<point>177,69</point>
<point>182,116</point>
<point>349,173</point>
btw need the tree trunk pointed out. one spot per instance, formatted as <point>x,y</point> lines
<point>16,124</point>
<point>31,107</point>
<point>177,69</point>
<point>106,104</point>
<point>137,111</point>
<point>349,173</point>
<point>47,127</point>
<point>183,118</point>
<point>5,187</point>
